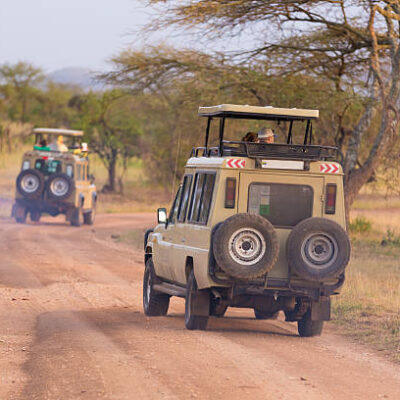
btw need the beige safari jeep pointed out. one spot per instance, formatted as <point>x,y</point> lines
<point>254,224</point>
<point>55,179</point>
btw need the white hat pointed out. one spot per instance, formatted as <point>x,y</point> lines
<point>265,132</point>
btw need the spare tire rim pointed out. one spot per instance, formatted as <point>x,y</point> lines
<point>319,250</point>
<point>30,183</point>
<point>247,246</point>
<point>59,187</point>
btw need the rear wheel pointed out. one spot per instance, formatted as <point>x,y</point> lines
<point>307,327</point>
<point>20,213</point>
<point>35,215</point>
<point>193,321</point>
<point>76,217</point>
<point>154,303</point>
<point>90,216</point>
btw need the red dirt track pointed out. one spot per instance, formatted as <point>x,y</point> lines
<point>72,327</point>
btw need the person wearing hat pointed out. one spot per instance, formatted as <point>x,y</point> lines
<point>266,135</point>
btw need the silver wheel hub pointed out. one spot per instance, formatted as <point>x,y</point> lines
<point>319,250</point>
<point>30,183</point>
<point>247,246</point>
<point>59,187</point>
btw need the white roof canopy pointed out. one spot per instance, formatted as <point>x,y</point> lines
<point>246,111</point>
<point>59,132</point>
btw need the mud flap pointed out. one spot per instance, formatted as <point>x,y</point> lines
<point>321,310</point>
<point>201,303</point>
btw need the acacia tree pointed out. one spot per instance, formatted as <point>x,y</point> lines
<point>347,42</point>
<point>111,128</point>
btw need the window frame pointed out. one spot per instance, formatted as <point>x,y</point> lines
<point>282,184</point>
<point>190,213</point>
<point>178,197</point>
<point>190,180</point>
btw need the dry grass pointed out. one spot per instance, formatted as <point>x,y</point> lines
<point>368,308</point>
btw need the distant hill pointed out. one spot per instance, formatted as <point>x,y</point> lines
<point>76,76</point>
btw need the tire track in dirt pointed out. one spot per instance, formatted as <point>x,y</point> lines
<point>85,335</point>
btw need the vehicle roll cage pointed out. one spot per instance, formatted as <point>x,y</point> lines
<point>305,151</point>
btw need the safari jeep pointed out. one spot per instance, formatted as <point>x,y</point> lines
<point>55,179</point>
<point>253,225</point>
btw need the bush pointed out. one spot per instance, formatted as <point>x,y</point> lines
<point>360,225</point>
<point>391,239</point>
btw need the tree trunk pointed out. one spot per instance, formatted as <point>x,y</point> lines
<point>110,186</point>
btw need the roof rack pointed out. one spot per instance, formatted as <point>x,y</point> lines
<point>60,132</point>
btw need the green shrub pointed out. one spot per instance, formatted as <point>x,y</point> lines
<point>360,225</point>
<point>391,239</point>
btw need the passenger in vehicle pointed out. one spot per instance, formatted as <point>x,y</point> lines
<point>58,144</point>
<point>250,137</point>
<point>265,135</point>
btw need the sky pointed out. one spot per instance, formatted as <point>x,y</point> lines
<point>54,34</point>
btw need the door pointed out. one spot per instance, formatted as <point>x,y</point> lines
<point>283,204</point>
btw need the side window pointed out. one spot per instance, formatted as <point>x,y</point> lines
<point>175,206</point>
<point>201,198</point>
<point>187,183</point>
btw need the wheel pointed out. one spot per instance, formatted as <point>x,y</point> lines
<point>146,238</point>
<point>245,246</point>
<point>193,321</point>
<point>265,315</point>
<point>20,213</point>
<point>35,215</point>
<point>89,217</point>
<point>30,183</point>
<point>318,248</point>
<point>59,186</point>
<point>76,217</point>
<point>307,327</point>
<point>154,303</point>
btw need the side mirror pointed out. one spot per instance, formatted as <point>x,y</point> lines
<point>162,216</point>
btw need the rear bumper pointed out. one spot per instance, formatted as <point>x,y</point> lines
<point>41,205</point>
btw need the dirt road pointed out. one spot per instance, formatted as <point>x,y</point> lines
<point>72,327</point>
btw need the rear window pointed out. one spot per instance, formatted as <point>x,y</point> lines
<point>283,205</point>
<point>47,167</point>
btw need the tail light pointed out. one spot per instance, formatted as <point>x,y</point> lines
<point>330,199</point>
<point>230,192</point>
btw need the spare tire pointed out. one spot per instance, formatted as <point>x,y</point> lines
<point>59,186</point>
<point>245,246</point>
<point>30,183</point>
<point>317,249</point>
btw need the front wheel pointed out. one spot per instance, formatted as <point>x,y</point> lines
<point>307,327</point>
<point>193,297</point>
<point>154,304</point>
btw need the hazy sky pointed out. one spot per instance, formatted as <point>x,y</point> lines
<point>53,34</point>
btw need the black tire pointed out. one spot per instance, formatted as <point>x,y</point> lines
<point>35,215</point>
<point>154,304</point>
<point>89,217</point>
<point>146,237</point>
<point>260,239</point>
<point>307,327</point>
<point>193,322</point>
<point>317,249</point>
<point>20,212</point>
<point>30,183</point>
<point>59,186</point>
<point>265,315</point>
<point>77,217</point>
